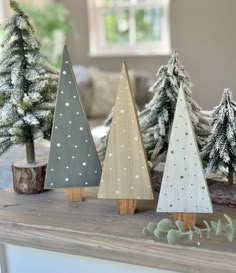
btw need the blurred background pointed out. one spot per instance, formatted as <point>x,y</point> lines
<point>103,33</point>
<point>100,34</point>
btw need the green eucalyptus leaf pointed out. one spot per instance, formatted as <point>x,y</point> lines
<point>146,231</point>
<point>208,229</point>
<point>158,233</point>
<point>198,231</point>
<point>151,227</point>
<point>219,229</point>
<point>180,225</point>
<point>228,218</point>
<point>230,232</point>
<point>165,225</point>
<point>173,236</point>
<point>190,235</point>
<point>214,225</point>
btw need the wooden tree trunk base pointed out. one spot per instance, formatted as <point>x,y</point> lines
<point>126,206</point>
<point>189,219</point>
<point>74,194</point>
<point>28,178</point>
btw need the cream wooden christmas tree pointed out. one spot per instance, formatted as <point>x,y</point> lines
<point>184,189</point>
<point>73,160</point>
<point>125,175</point>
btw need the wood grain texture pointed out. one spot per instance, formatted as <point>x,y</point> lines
<point>189,219</point>
<point>94,229</point>
<point>74,194</point>
<point>28,178</point>
<point>125,172</point>
<point>126,206</point>
<point>184,187</point>
<point>73,160</point>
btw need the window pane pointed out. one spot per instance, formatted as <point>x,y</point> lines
<point>148,24</point>
<point>114,2</point>
<point>148,1</point>
<point>144,1</point>
<point>116,26</point>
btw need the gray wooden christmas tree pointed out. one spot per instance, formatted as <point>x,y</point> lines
<point>73,160</point>
<point>184,188</point>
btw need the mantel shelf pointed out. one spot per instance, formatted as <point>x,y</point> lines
<point>93,228</point>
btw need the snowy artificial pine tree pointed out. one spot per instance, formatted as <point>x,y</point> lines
<point>220,148</point>
<point>157,117</point>
<point>27,86</point>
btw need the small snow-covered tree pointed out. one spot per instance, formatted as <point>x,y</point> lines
<point>27,86</point>
<point>157,117</point>
<point>220,148</point>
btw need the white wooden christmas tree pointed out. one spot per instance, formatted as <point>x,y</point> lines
<point>125,175</point>
<point>184,189</point>
<point>73,160</point>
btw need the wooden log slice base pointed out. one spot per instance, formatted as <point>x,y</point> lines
<point>74,194</point>
<point>126,206</point>
<point>28,178</point>
<point>189,219</point>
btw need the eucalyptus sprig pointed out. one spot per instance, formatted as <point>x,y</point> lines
<point>175,231</point>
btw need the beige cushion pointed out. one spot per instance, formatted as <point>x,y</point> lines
<point>105,85</point>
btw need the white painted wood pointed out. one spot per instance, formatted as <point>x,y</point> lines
<point>29,260</point>
<point>125,172</point>
<point>184,187</point>
<point>3,259</point>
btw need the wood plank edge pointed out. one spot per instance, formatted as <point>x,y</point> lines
<point>141,252</point>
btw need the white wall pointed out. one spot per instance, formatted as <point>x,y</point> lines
<point>202,31</point>
<point>29,260</point>
<point>1,10</point>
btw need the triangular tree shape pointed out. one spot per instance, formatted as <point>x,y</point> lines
<point>125,171</point>
<point>184,188</point>
<point>73,160</point>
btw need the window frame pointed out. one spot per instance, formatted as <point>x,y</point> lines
<point>97,46</point>
<point>2,10</point>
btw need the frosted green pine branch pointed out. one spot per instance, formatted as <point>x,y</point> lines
<point>219,149</point>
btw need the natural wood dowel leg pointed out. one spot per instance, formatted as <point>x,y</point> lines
<point>189,219</point>
<point>126,206</point>
<point>74,194</point>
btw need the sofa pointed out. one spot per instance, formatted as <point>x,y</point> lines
<point>98,91</point>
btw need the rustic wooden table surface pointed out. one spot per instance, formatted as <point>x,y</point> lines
<point>93,228</point>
